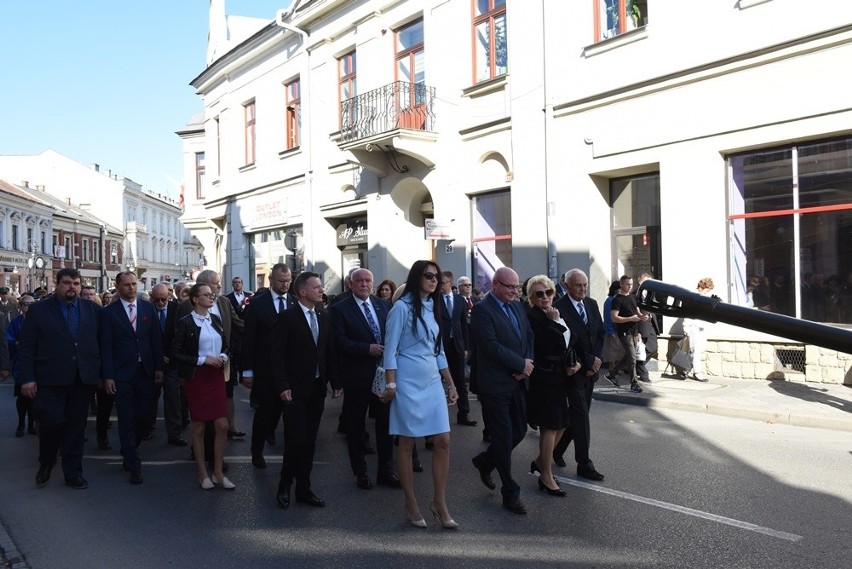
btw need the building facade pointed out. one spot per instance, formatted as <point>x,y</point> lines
<point>130,227</point>
<point>618,136</point>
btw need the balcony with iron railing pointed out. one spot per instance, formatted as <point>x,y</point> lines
<point>386,126</point>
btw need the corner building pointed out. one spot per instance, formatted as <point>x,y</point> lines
<point>619,136</point>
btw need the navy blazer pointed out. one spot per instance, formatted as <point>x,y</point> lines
<point>49,354</point>
<point>589,337</point>
<point>296,358</point>
<point>353,337</point>
<point>124,349</point>
<point>260,316</point>
<point>498,351</point>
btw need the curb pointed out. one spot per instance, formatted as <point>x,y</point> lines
<point>10,557</point>
<point>794,419</point>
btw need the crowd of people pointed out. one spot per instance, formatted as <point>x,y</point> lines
<point>532,353</point>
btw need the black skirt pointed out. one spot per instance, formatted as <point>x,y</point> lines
<point>547,403</point>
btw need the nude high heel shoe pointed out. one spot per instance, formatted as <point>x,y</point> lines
<point>446,524</point>
<point>421,523</point>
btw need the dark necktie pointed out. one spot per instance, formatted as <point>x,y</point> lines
<point>469,302</point>
<point>377,334</point>
<point>314,326</point>
<point>582,312</point>
<point>281,305</point>
<point>71,319</point>
<point>449,300</point>
<point>162,320</point>
<point>512,318</point>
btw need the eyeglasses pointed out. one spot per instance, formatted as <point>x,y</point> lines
<point>513,287</point>
<point>429,276</point>
<point>542,293</point>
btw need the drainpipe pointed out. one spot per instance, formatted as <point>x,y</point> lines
<point>305,133</point>
<point>550,222</point>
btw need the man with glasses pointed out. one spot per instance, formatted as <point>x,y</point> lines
<point>583,317</point>
<point>502,359</point>
<point>167,308</point>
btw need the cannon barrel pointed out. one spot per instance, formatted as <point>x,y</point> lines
<point>670,300</point>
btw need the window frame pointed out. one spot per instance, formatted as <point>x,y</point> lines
<point>250,122</point>
<point>200,175</point>
<point>489,17</point>
<point>346,79</point>
<point>625,24</point>
<point>293,110</point>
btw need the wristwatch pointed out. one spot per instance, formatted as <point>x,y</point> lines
<point>390,386</point>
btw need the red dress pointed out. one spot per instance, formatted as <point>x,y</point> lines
<point>205,394</point>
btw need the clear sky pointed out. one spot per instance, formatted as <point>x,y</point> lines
<point>106,81</point>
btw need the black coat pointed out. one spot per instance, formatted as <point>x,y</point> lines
<point>185,344</point>
<point>549,347</point>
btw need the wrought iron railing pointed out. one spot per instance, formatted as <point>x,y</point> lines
<point>398,105</point>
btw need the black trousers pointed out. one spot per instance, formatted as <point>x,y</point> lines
<point>301,424</point>
<point>105,403</point>
<point>267,411</point>
<point>505,416</point>
<point>356,402</point>
<point>62,412</point>
<point>579,401</point>
<point>133,407</point>
<point>455,361</point>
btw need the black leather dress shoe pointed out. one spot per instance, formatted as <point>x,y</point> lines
<point>103,444</point>
<point>235,434</point>
<point>363,481</point>
<point>310,499</point>
<point>258,461</point>
<point>19,432</point>
<point>43,476</point>
<point>388,479</point>
<point>148,436</point>
<point>283,495</point>
<point>178,441</point>
<point>77,483</point>
<point>136,477</point>
<point>467,421</point>
<point>416,466</point>
<point>590,473</point>
<point>558,461</point>
<point>484,473</point>
<point>514,505</point>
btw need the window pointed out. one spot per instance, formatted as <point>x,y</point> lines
<point>16,237</point>
<point>85,249</point>
<point>68,248</point>
<point>218,148</point>
<point>791,230</point>
<point>636,235</point>
<point>492,236</point>
<point>56,245</point>
<point>199,175</point>
<point>614,17</point>
<point>96,251</point>
<point>490,48</point>
<point>251,133</point>
<point>294,113</point>
<point>411,76</point>
<point>346,89</point>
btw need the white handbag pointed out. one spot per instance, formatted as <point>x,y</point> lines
<point>379,383</point>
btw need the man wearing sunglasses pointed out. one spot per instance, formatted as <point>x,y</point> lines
<point>502,359</point>
<point>583,316</point>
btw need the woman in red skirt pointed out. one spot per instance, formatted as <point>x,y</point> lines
<point>200,351</point>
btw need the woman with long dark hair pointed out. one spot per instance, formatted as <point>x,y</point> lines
<point>415,368</point>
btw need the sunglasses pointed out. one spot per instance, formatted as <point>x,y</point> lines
<point>543,293</point>
<point>429,276</point>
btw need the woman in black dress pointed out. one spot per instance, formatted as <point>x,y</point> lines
<point>201,354</point>
<point>547,405</point>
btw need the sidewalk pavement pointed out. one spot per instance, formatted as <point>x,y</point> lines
<point>820,405</point>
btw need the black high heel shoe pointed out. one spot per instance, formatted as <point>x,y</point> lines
<point>534,468</point>
<point>558,492</point>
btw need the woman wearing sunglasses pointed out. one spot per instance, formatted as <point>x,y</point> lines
<point>547,404</point>
<point>415,367</point>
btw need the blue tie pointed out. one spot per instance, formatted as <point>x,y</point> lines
<point>512,318</point>
<point>71,319</point>
<point>162,320</point>
<point>582,312</point>
<point>377,334</point>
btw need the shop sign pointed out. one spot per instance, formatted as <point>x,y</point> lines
<point>269,213</point>
<point>433,229</point>
<point>352,233</point>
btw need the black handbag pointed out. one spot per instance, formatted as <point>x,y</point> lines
<point>569,359</point>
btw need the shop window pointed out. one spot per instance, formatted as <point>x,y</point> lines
<point>492,236</point>
<point>615,17</point>
<point>636,238</point>
<point>490,42</point>
<point>791,230</point>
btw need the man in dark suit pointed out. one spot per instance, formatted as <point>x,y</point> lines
<point>583,316</point>
<point>454,333</point>
<point>132,356</point>
<point>561,288</point>
<point>60,364</point>
<point>503,358</point>
<point>359,324</point>
<point>304,361</point>
<point>256,358</point>
<point>167,308</point>
<point>8,305</point>
<point>238,296</point>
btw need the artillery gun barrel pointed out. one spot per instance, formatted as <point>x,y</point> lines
<point>670,300</point>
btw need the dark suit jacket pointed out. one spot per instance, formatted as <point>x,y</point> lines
<point>295,357</point>
<point>5,360</point>
<point>549,346</point>
<point>260,317</point>
<point>185,344</point>
<point>590,338</point>
<point>49,354</point>
<point>169,333</point>
<point>123,349</point>
<point>353,337</point>
<point>498,351</point>
<point>454,324</point>
<point>238,308</point>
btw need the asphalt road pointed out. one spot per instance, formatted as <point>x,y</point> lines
<point>682,490</point>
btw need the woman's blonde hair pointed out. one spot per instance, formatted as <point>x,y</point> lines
<point>706,283</point>
<point>538,279</point>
